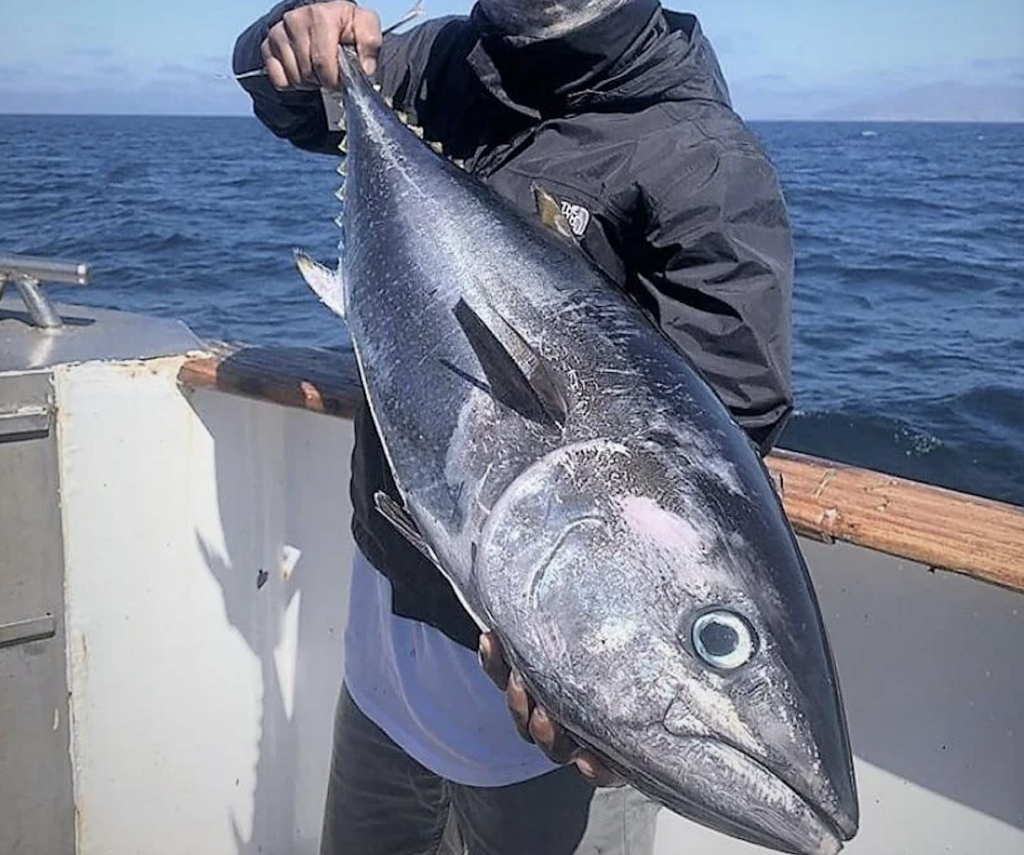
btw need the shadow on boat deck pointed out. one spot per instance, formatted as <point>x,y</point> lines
<point>272,493</point>
<point>926,661</point>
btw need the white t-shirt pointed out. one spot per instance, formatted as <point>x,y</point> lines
<point>429,694</point>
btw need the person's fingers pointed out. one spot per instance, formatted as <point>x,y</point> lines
<point>555,742</point>
<point>595,771</point>
<point>301,51</point>
<point>366,30</point>
<point>520,705</point>
<point>275,71</point>
<point>323,56</point>
<point>492,660</point>
<point>331,25</point>
<point>533,722</point>
<point>279,49</point>
<point>297,31</point>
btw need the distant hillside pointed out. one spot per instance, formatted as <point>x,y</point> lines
<point>936,102</point>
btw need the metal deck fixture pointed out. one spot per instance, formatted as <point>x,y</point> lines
<point>28,273</point>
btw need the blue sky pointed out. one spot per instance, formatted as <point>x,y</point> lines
<point>786,58</point>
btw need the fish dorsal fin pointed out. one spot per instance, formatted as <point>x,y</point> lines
<point>327,283</point>
<point>518,376</point>
<point>551,213</point>
<point>399,517</point>
<point>436,145</point>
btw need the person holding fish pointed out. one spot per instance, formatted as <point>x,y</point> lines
<point>619,110</point>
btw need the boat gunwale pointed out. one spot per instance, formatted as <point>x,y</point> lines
<point>825,500</point>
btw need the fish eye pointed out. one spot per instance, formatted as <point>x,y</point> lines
<point>723,639</point>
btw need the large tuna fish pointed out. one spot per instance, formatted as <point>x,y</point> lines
<point>587,496</point>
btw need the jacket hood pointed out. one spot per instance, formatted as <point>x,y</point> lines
<point>546,19</point>
<point>637,55</point>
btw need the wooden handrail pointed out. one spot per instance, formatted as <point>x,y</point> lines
<point>325,381</point>
<point>941,528</point>
<point>830,501</point>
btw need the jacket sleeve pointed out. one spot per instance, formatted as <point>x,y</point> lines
<point>300,116</point>
<point>722,278</point>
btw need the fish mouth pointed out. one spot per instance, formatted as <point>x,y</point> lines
<point>731,792</point>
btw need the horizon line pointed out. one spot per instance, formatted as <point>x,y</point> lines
<point>806,120</point>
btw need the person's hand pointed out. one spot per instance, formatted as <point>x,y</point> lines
<point>301,51</point>
<point>532,721</point>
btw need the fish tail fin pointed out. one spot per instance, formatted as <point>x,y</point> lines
<point>328,284</point>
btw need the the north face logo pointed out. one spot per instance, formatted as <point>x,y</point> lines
<point>577,217</point>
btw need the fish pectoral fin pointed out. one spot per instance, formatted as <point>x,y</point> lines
<point>399,517</point>
<point>518,376</point>
<point>551,213</point>
<point>327,283</point>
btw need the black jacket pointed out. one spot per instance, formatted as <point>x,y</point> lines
<point>628,123</point>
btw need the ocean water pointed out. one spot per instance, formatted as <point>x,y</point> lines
<point>909,300</point>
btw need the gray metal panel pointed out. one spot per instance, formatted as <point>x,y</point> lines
<point>86,334</point>
<point>37,814</point>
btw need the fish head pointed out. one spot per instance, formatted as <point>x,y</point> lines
<point>666,618</point>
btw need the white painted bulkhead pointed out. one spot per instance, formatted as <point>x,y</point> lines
<point>202,700</point>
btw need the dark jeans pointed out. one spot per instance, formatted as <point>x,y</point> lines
<point>382,802</point>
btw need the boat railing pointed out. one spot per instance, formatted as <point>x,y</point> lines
<point>825,500</point>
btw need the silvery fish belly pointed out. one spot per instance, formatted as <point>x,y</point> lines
<point>588,497</point>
